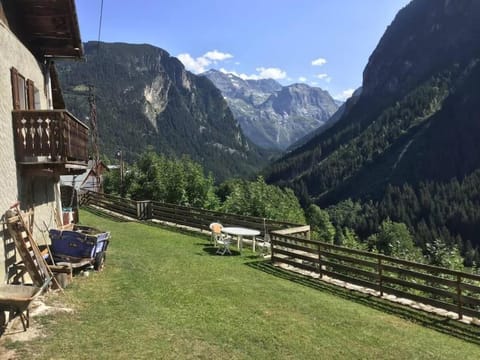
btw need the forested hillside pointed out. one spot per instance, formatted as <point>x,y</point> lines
<point>446,213</point>
<point>145,98</point>
<point>408,149</point>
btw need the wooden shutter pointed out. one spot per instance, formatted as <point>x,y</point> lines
<point>15,92</point>
<point>30,95</point>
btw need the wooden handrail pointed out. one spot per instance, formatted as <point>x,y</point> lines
<point>293,230</point>
<point>454,288</point>
<point>49,136</point>
<point>376,271</point>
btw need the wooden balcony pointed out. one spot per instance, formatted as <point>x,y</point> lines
<point>50,140</point>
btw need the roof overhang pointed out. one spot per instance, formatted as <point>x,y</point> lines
<point>49,28</point>
<point>57,96</point>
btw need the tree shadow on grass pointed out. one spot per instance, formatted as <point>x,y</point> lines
<point>470,333</point>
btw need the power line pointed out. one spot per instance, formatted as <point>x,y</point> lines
<point>100,26</point>
<point>93,110</point>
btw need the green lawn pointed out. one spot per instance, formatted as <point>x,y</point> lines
<point>165,295</point>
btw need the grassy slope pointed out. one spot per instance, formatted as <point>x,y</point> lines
<point>164,295</point>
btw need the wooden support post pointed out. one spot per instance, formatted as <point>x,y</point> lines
<point>320,262</point>
<point>144,210</point>
<point>272,240</point>
<point>380,274</point>
<point>459,297</point>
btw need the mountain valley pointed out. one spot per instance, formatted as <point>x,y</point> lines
<point>146,98</point>
<point>415,124</point>
<point>271,115</point>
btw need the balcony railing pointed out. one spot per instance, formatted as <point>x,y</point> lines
<point>51,137</point>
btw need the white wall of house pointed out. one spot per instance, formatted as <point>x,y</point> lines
<point>91,183</point>
<point>31,191</point>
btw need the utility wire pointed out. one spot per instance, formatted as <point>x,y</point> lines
<point>100,26</point>
<point>93,106</point>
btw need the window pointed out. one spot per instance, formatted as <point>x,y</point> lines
<point>25,95</point>
<point>36,97</point>
<point>22,92</point>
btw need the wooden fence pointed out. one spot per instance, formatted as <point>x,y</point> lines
<point>116,204</point>
<point>450,290</point>
<point>454,291</point>
<point>188,216</point>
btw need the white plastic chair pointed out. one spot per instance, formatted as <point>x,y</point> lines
<point>264,245</point>
<point>224,241</point>
<point>216,229</point>
<point>220,239</point>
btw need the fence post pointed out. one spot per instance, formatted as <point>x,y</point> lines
<point>272,240</point>
<point>459,297</point>
<point>144,210</point>
<point>320,261</point>
<point>380,273</point>
<point>176,218</point>
<point>86,198</point>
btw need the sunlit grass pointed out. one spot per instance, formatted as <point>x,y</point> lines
<point>164,294</point>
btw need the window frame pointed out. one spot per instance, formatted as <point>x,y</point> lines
<point>24,92</point>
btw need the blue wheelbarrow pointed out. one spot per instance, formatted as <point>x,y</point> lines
<point>81,246</point>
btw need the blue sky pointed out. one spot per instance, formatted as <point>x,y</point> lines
<point>324,43</point>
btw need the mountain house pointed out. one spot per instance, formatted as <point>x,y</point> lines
<point>71,186</point>
<point>40,139</point>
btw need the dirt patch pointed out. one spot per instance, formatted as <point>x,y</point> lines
<point>14,331</point>
<point>7,354</point>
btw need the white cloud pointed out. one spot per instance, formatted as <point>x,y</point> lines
<point>194,65</point>
<point>324,77</point>
<point>271,73</point>
<point>319,62</point>
<point>200,64</point>
<point>302,79</point>
<point>345,94</point>
<point>263,73</point>
<point>216,55</point>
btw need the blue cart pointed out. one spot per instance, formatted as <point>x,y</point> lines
<point>81,246</point>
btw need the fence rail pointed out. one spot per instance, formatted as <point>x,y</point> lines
<point>450,290</point>
<point>113,203</point>
<point>49,136</point>
<point>187,216</point>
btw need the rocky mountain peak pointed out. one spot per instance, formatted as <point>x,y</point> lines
<point>265,85</point>
<point>146,98</point>
<point>271,115</point>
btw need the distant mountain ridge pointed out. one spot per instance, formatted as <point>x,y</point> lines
<point>408,148</point>
<point>271,115</point>
<point>344,107</point>
<point>414,120</point>
<point>145,97</point>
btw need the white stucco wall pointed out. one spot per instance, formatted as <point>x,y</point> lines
<point>39,192</point>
